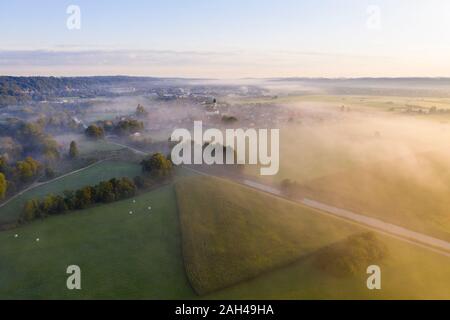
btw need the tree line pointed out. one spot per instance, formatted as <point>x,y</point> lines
<point>121,128</point>
<point>104,192</point>
<point>28,138</point>
<point>14,175</point>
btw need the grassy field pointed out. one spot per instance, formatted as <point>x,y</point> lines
<point>221,247</point>
<point>11,211</point>
<point>120,255</point>
<point>232,233</point>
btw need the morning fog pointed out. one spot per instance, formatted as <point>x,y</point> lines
<point>241,146</point>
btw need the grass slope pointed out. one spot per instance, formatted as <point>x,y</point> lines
<point>10,212</point>
<point>232,233</point>
<point>120,255</point>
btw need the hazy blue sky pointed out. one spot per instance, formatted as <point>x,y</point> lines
<point>227,38</point>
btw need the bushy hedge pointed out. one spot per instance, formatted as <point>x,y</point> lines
<point>103,192</point>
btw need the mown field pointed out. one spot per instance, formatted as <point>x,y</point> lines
<point>11,211</point>
<point>121,255</point>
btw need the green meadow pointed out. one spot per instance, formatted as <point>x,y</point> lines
<point>121,255</point>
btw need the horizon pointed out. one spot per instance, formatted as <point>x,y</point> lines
<point>226,79</point>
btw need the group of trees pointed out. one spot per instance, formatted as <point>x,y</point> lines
<point>103,192</point>
<point>21,138</point>
<point>27,169</point>
<point>35,141</point>
<point>95,132</point>
<point>28,138</point>
<point>157,165</point>
<point>121,128</point>
<point>15,174</point>
<point>59,121</point>
<point>128,126</point>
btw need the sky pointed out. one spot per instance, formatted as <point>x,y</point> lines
<point>226,38</point>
